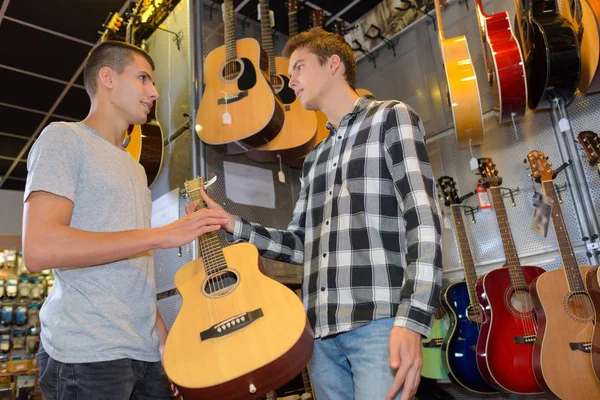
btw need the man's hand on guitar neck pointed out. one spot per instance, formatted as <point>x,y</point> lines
<point>229,226</point>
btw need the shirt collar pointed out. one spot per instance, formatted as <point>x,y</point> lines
<point>360,104</point>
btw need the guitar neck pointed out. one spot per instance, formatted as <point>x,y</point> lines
<point>209,244</point>
<point>266,34</point>
<point>440,22</point>
<point>564,243</point>
<point>465,254</point>
<point>229,24</point>
<point>512,259</point>
<point>293,23</point>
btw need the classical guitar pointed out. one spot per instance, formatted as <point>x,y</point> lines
<point>504,65</point>
<point>145,144</point>
<point>239,111</point>
<point>239,334</point>
<point>585,17</point>
<point>298,134</point>
<point>564,310</point>
<point>550,51</point>
<point>507,335</point>
<point>590,142</point>
<point>461,302</point>
<point>462,86</point>
<point>433,367</point>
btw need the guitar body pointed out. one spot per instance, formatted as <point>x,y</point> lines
<point>298,134</point>
<point>145,144</point>
<point>593,287</point>
<point>554,359</point>
<point>256,114</point>
<point>504,64</point>
<point>484,331</point>
<point>269,347</point>
<point>553,63</point>
<point>587,26</point>
<point>461,339</point>
<point>464,92</point>
<point>433,368</point>
<point>511,317</point>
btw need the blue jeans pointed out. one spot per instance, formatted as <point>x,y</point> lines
<point>122,379</point>
<point>353,365</point>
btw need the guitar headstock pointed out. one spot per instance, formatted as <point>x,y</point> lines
<point>488,172</point>
<point>317,18</point>
<point>540,168</point>
<point>292,6</point>
<point>591,144</point>
<point>448,190</point>
<point>339,28</point>
<point>192,185</point>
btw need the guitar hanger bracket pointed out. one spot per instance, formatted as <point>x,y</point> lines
<point>466,3</point>
<point>177,39</point>
<point>407,5</point>
<point>389,43</point>
<point>471,211</point>
<point>511,194</point>
<point>559,189</point>
<point>369,55</point>
<point>244,24</point>
<point>561,168</point>
<point>466,196</point>
<point>213,6</point>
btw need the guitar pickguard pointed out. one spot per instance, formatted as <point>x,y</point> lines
<point>248,78</point>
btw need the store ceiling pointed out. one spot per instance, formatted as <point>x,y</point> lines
<point>43,45</point>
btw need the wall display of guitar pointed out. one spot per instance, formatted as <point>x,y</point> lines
<point>239,111</point>
<point>298,134</point>
<point>462,86</point>
<point>591,144</point>
<point>585,17</point>
<point>504,64</point>
<point>431,347</point>
<point>145,144</point>
<point>461,302</point>
<point>507,335</point>
<point>564,309</point>
<point>550,51</point>
<point>239,334</point>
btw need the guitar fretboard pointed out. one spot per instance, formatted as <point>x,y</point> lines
<point>210,246</point>
<point>229,23</point>
<point>267,34</point>
<point>564,243</point>
<point>293,23</point>
<point>465,254</point>
<point>512,259</point>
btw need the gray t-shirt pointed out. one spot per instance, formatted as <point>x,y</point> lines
<point>105,312</point>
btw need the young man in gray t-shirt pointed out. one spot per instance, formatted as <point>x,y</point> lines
<point>87,216</point>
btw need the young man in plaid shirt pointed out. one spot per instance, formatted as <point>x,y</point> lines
<point>366,228</point>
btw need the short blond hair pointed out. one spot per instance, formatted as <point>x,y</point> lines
<point>325,44</point>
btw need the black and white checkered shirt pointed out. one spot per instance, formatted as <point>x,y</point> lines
<point>366,226</point>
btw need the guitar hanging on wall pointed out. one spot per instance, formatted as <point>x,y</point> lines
<point>504,64</point>
<point>238,111</point>
<point>461,302</point>
<point>462,86</point>
<point>550,51</point>
<point>564,309</point>
<point>590,142</point>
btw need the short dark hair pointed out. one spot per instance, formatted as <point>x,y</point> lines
<point>325,44</point>
<point>113,54</point>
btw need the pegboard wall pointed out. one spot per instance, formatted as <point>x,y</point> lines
<point>416,76</point>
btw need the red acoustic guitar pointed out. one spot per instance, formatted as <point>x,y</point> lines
<point>561,359</point>
<point>505,344</point>
<point>504,64</point>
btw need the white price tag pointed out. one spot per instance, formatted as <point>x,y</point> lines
<point>563,125</point>
<point>227,118</point>
<point>474,163</point>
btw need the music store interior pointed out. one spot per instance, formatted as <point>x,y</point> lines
<point>507,94</point>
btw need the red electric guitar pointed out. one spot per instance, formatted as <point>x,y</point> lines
<point>504,64</point>
<point>505,344</point>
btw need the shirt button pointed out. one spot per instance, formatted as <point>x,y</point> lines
<point>339,137</point>
<point>322,289</point>
<point>335,164</point>
<point>326,222</point>
<point>324,255</point>
<point>331,192</point>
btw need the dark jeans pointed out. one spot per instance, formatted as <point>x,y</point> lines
<point>123,379</point>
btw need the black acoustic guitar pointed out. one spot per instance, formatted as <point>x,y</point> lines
<point>551,52</point>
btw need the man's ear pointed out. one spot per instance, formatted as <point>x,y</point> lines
<point>106,77</point>
<point>335,63</point>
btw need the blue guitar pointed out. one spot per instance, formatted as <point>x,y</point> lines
<point>461,302</point>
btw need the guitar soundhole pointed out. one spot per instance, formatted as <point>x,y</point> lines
<point>579,307</point>
<point>277,83</point>
<point>520,303</point>
<point>232,70</point>
<point>221,283</point>
<point>475,315</point>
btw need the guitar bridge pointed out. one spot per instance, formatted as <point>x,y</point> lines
<point>232,98</point>
<point>584,347</point>
<point>231,325</point>
<point>527,339</point>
